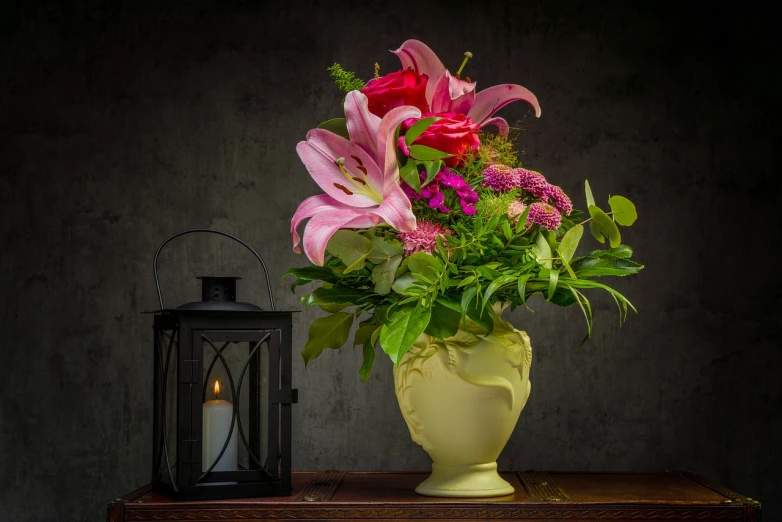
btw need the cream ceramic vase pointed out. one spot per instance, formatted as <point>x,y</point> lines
<point>461,399</point>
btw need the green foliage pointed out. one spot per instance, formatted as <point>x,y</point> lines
<point>485,259</point>
<point>338,126</point>
<point>345,80</point>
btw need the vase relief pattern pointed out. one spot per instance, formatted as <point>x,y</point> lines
<point>461,398</point>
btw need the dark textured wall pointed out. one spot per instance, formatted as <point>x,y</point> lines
<point>121,125</point>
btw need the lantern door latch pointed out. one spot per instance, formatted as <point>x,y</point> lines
<point>284,396</point>
<point>191,371</point>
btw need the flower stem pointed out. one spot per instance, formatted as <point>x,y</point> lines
<point>467,56</point>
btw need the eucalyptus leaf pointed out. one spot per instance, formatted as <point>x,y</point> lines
<point>606,225</point>
<point>383,274</point>
<point>327,332</point>
<point>383,250</point>
<point>407,285</point>
<point>623,210</point>
<point>589,197</point>
<point>543,251</point>
<point>594,229</point>
<point>569,243</point>
<point>350,247</point>
<point>425,264</point>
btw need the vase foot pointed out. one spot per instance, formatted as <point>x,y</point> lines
<point>477,480</point>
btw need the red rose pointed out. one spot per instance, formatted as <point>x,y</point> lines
<point>405,87</point>
<point>453,133</point>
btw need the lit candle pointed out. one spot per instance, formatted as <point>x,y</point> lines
<point>218,415</point>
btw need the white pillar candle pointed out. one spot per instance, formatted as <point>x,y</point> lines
<point>218,415</point>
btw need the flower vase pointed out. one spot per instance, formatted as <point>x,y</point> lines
<point>461,398</point>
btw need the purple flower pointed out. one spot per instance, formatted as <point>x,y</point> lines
<point>500,178</point>
<point>433,191</point>
<point>532,182</point>
<point>545,215</point>
<point>561,200</point>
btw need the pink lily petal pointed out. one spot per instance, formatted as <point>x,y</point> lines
<point>308,208</point>
<point>386,145</point>
<point>323,225</point>
<point>452,95</point>
<point>363,185</point>
<point>418,56</point>
<point>362,124</point>
<point>396,210</point>
<point>490,100</point>
<point>500,123</point>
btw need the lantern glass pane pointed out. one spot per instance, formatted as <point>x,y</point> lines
<point>236,390</point>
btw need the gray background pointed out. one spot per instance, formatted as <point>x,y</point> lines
<point>121,125</point>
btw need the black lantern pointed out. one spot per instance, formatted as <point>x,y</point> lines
<point>222,410</point>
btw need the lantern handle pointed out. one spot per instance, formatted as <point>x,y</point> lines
<point>220,233</point>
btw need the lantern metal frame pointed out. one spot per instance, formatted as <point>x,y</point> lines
<point>180,337</point>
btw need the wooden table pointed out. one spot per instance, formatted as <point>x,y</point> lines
<point>552,496</point>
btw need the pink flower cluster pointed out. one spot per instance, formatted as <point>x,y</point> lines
<point>434,191</point>
<point>502,178</point>
<point>423,238</point>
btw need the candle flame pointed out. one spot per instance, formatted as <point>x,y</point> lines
<point>217,389</point>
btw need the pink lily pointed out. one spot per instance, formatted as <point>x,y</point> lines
<point>446,93</point>
<point>360,177</point>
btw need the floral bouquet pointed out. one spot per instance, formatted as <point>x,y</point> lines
<point>429,219</point>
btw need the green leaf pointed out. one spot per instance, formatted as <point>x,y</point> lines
<point>432,168</point>
<point>488,273</point>
<point>506,230</point>
<point>466,281</point>
<point>496,284</point>
<point>553,278</point>
<point>623,210</point>
<point>425,264</point>
<point>409,173</point>
<point>608,266</point>
<point>334,296</point>
<point>589,197</point>
<point>424,153</point>
<point>407,285</point>
<point>327,332</point>
<point>309,274</point>
<point>369,360</point>
<point>467,297</point>
<point>363,333</point>
<point>383,274</point>
<point>606,225</point>
<point>351,248</point>
<point>523,287</point>
<point>543,251</point>
<point>569,243</point>
<point>594,229</point>
<point>398,336</point>
<point>337,126</point>
<point>383,250</point>
<point>418,128</point>
<point>622,251</point>
<point>522,220</point>
<point>446,316</point>
<point>478,312</point>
